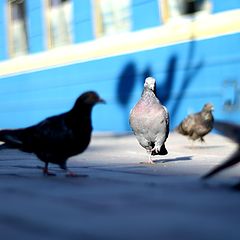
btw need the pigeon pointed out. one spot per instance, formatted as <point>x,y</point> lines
<point>232,131</point>
<point>56,138</point>
<point>197,125</point>
<point>149,121</point>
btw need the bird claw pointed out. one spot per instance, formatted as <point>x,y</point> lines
<point>150,162</point>
<point>72,174</point>
<point>156,149</point>
<point>47,173</point>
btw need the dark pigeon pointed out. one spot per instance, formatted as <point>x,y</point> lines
<point>231,131</point>
<point>149,120</point>
<point>197,125</point>
<point>56,138</point>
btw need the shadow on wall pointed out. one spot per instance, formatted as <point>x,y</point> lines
<point>125,87</point>
<point>126,84</point>
<point>165,89</point>
<point>190,70</point>
<point>129,76</point>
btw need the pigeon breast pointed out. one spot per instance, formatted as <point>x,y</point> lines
<point>149,120</point>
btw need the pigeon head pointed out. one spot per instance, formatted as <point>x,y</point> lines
<point>208,107</point>
<point>88,99</point>
<point>150,83</point>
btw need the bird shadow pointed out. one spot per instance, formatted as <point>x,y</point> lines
<point>184,158</point>
<point>204,147</point>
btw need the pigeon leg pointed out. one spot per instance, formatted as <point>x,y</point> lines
<point>150,161</point>
<point>192,144</point>
<point>46,172</point>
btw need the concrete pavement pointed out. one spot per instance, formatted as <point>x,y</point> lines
<point>120,198</point>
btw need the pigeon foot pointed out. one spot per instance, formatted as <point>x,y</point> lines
<point>150,161</point>
<point>47,173</point>
<point>73,174</point>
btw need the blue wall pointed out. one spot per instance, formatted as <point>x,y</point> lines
<point>188,75</point>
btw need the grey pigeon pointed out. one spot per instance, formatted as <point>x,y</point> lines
<point>232,131</point>
<point>149,120</point>
<point>197,125</point>
<point>56,138</point>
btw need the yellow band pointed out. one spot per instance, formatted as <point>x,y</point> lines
<point>173,32</point>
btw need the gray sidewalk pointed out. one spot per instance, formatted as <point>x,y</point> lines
<point>120,198</point>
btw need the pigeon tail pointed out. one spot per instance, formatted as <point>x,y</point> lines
<point>3,146</point>
<point>180,129</point>
<point>10,138</point>
<point>163,151</point>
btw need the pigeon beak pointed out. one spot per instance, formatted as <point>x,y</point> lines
<point>100,100</point>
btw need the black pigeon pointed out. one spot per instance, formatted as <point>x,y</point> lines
<point>56,138</point>
<point>149,121</point>
<point>232,131</point>
<point>197,125</point>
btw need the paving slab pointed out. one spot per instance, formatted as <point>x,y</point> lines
<point>121,198</point>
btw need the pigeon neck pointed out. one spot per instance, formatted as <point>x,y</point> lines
<point>206,111</point>
<point>207,115</point>
<point>148,92</point>
<point>83,110</point>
